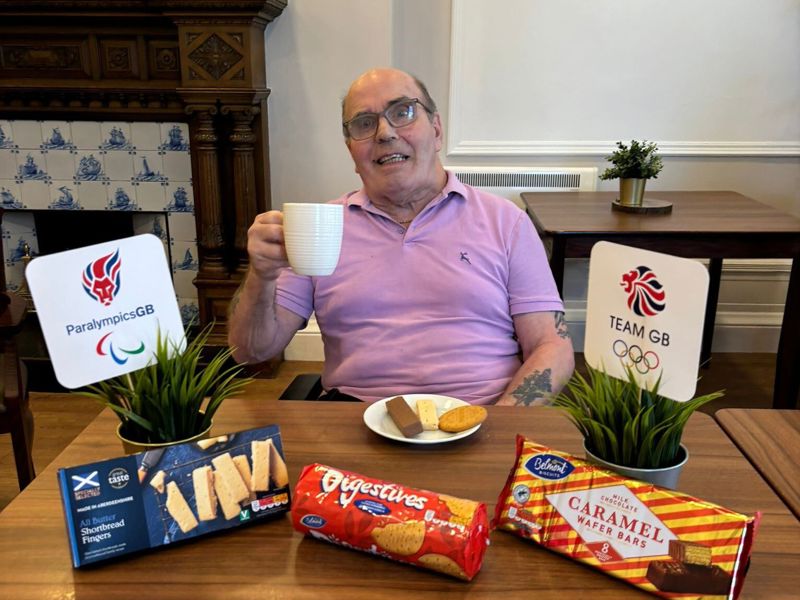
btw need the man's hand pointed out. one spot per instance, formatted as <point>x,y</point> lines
<point>265,245</point>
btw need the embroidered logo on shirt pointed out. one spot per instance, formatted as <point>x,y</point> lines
<point>465,258</point>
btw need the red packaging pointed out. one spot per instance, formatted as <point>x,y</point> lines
<point>660,540</point>
<point>434,531</point>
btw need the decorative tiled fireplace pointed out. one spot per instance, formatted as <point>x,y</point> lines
<point>98,101</point>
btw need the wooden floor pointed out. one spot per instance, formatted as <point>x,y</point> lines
<point>748,379</point>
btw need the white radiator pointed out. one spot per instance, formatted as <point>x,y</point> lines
<point>510,182</point>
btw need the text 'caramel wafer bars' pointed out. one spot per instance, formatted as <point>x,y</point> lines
<point>662,541</point>
<point>435,531</point>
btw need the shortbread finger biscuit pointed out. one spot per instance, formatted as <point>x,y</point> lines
<point>179,509</point>
<point>462,418</point>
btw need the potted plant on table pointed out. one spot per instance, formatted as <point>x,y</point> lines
<point>633,166</point>
<point>174,398</point>
<point>634,431</point>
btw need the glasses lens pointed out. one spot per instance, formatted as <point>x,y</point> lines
<point>363,126</point>
<point>401,113</point>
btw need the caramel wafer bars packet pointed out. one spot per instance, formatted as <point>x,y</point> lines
<point>435,531</point>
<point>662,541</point>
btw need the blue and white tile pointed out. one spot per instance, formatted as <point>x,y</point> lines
<point>57,136</point>
<point>180,197</point>
<point>89,166</point>
<point>115,136</point>
<point>178,166</point>
<point>184,256</point>
<point>19,231</point>
<point>86,135</point>
<point>149,195</point>
<point>31,166</point>
<point>59,164</point>
<point>8,164</point>
<point>35,195</point>
<point>64,196</point>
<point>15,275</point>
<point>190,311</point>
<point>27,134</point>
<point>174,137</point>
<point>184,283</point>
<point>118,166</point>
<point>148,166</point>
<point>182,227</point>
<point>92,195</point>
<point>7,134</point>
<point>153,223</point>
<point>122,197</point>
<point>10,195</point>
<point>146,136</point>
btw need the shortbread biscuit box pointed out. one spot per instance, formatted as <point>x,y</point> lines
<point>435,531</point>
<point>663,541</point>
<point>167,495</point>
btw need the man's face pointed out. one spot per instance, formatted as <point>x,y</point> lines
<point>398,164</point>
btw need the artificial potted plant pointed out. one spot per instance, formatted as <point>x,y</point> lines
<point>633,166</point>
<point>174,398</point>
<point>634,431</point>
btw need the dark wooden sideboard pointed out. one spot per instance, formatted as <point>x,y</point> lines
<point>197,61</point>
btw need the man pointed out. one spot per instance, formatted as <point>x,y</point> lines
<point>439,286</point>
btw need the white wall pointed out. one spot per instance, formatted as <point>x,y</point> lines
<point>746,52</point>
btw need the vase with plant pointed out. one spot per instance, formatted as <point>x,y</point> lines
<point>633,166</point>
<point>174,398</point>
<point>634,431</point>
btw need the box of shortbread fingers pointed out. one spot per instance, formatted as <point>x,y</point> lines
<point>167,495</point>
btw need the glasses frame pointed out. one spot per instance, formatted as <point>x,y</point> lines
<point>383,113</point>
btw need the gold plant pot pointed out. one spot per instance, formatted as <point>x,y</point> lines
<point>631,192</point>
<point>133,447</point>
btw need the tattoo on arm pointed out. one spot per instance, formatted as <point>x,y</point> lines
<point>536,386</point>
<point>561,325</point>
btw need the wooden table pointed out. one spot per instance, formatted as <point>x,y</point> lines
<point>770,439</point>
<point>713,225</point>
<point>270,560</point>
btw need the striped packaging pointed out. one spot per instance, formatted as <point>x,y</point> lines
<point>662,541</point>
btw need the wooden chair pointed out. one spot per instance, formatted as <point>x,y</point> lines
<point>16,417</point>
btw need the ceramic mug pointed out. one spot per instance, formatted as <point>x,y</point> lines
<point>313,236</point>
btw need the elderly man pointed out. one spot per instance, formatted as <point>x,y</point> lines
<point>440,288</point>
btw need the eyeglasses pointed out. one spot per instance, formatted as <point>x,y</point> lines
<point>399,114</point>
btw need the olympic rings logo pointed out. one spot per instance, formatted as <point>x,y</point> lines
<point>643,362</point>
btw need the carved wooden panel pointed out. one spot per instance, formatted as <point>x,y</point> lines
<point>119,59</point>
<point>215,56</point>
<point>163,59</point>
<point>68,59</point>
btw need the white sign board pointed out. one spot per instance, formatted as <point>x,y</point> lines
<point>645,310</point>
<point>100,307</point>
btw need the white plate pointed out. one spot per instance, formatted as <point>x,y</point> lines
<point>377,418</point>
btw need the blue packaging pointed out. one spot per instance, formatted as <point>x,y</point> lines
<point>159,497</point>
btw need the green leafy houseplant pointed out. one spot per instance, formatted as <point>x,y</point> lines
<point>639,161</point>
<point>174,397</point>
<point>625,424</point>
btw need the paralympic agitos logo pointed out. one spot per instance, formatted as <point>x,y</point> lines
<point>102,278</point>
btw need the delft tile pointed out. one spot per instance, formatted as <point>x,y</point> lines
<point>190,312</point>
<point>184,256</point>
<point>152,223</point>
<point>122,196</point>
<point>7,135</point>
<point>19,222</point>
<point>10,195</point>
<point>182,227</point>
<point>180,197</point>
<point>15,275</point>
<point>56,135</point>
<point>8,164</point>
<point>145,136</point>
<point>115,137</point>
<point>92,195</point>
<point>178,166</point>
<point>89,166</point>
<point>174,137</point>
<point>184,283</point>
<point>18,246</point>
<point>149,195</point>
<point>64,196</point>
<point>27,135</point>
<point>148,166</point>
<point>59,164</point>
<point>35,195</point>
<point>86,135</point>
<point>118,166</point>
<point>31,166</point>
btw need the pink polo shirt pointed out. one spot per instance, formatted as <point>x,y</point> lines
<point>428,309</point>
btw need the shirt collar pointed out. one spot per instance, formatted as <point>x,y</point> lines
<point>360,199</point>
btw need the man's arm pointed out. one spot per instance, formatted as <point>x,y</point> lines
<point>257,327</point>
<point>548,357</point>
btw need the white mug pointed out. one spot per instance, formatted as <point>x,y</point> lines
<point>313,236</point>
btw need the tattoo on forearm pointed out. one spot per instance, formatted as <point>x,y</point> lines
<point>561,326</point>
<point>537,385</point>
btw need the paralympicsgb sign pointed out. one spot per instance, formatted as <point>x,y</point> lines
<point>645,312</point>
<point>100,307</point>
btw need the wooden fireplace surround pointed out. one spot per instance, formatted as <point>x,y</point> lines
<point>196,61</point>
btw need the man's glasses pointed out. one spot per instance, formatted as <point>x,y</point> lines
<point>399,114</point>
